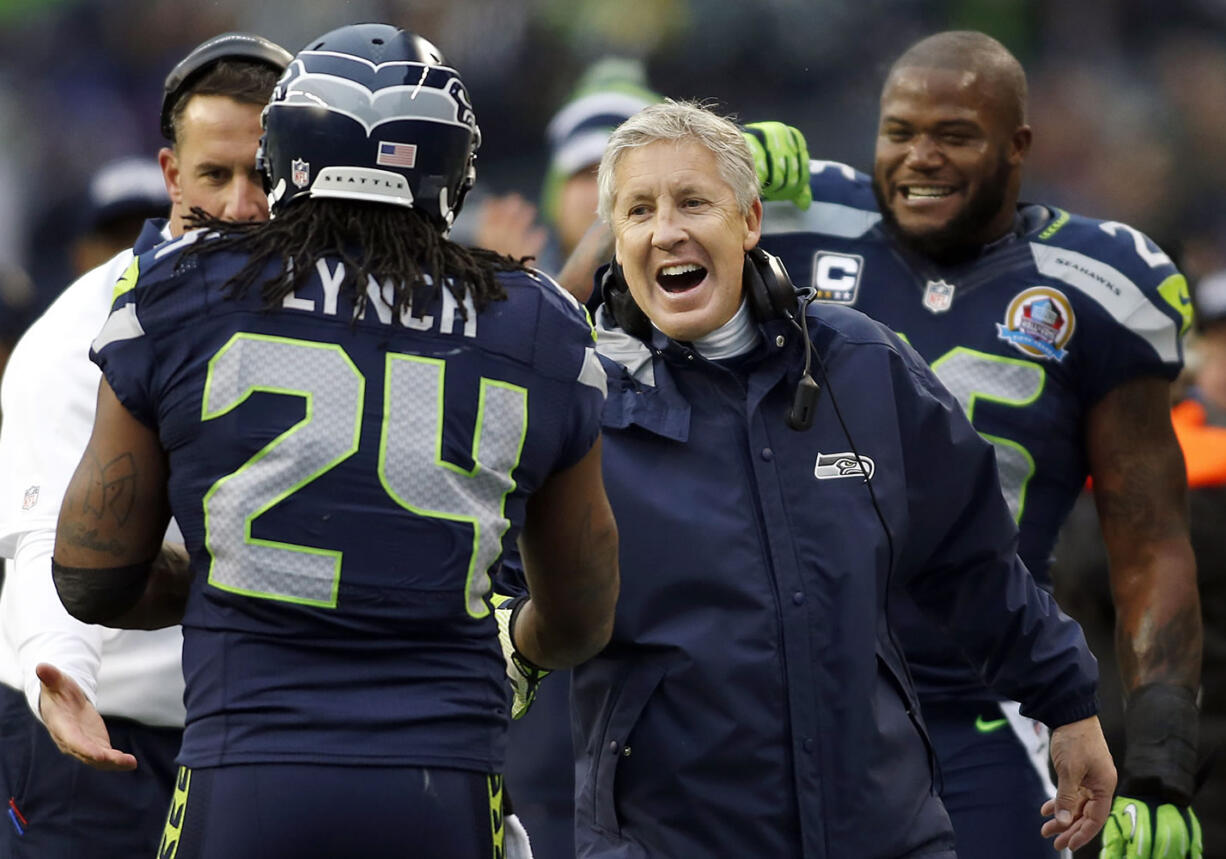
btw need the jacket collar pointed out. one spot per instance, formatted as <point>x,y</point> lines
<point>152,233</point>
<point>641,389</point>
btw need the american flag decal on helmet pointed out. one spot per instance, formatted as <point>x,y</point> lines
<point>396,154</point>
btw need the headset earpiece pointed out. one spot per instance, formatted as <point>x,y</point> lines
<point>767,285</point>
<point>616,296</point>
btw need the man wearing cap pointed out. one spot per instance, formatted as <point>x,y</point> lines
<point>110,699</point>
<point>609,92</point>
<point>121,196</point>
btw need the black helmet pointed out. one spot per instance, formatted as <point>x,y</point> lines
<point>370,112</point>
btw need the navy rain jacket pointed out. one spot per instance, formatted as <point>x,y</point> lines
<point>752,701</point>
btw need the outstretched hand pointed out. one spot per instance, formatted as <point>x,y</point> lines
<point>507,224</point>
<point>1085,782</point>
<point>74,723</point>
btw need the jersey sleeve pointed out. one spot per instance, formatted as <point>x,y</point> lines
<point>843,205</point>
<point>1132,304</point>
<point>566,330</point>
<point>124,351</point>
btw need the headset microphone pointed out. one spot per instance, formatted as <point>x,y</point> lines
<point>804,401</point>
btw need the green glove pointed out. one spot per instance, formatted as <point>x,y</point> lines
<point>781,160</point>
<point>525,676</point>
<point>1138,829</point>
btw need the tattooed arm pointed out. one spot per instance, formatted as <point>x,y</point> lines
<point>1140,488</point>
<point>109,565</point>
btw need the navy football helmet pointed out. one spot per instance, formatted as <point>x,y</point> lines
<point>370,112</point>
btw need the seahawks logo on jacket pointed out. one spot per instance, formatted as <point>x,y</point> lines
<point>834,465</point>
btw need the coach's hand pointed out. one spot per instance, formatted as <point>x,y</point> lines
<point>524,675</point>
<point>1085,781</point>
<point>781,160</point>
<point>75,724</point>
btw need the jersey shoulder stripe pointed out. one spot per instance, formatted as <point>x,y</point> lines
<point>843,204</point>
<point>122,324</point>
<point>142,273</point>
<point>562,322</point>
<point>1121,270</point>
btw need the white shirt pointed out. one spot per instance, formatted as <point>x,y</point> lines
<point>48,398</point>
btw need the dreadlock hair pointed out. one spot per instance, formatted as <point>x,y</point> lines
<point>392,244</point>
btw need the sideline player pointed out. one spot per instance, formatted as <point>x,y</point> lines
<point>1059,335</point>
<point>71,672</point>
<point>351,417</point>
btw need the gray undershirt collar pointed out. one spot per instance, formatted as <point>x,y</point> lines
<point>735,337</point>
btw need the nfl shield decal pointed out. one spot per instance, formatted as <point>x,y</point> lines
<point>1039,322</point>
<point>300,173</point>
<point>938,296</point>
<point>30,499</point>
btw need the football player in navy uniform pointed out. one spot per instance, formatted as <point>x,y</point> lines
<point>350,418</point>
<point>1059,335</point>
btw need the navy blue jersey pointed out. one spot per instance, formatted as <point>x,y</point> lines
<point>1028,337</point>
<point>344,487</point>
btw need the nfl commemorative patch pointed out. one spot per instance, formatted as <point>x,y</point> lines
<point>1039,322</point>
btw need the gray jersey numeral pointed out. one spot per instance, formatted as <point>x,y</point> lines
<point>410,463</point>
<point>413,470</point>
<point>972,376</point>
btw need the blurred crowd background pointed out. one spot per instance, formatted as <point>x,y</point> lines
<point>1128,105</point>
<point>1128,96</point>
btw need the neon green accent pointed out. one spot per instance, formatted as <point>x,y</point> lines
<point>998,442</point>
<point>486,384</point>
<point>127,281</point>
<point>497,813</point>
<point>268,448</point>
<point>903,337</point>
<point>987,726</point>
<point>440,462</point>
<point>1175,290</point>
<point>971,398</point>
<point>587,314</point>
<point>1062,218</point>
<point>172,833</point>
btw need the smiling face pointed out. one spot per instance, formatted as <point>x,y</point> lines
<point>949,156</point>
<point>680,236</point>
